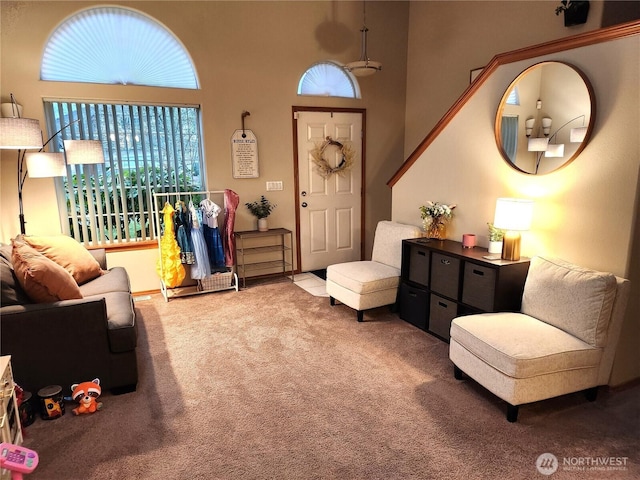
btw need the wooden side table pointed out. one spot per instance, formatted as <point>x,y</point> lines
<point>256,250</point>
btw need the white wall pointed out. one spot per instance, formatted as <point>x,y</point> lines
<point>585,213</point>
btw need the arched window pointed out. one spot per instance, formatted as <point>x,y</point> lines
<point>328,79</point>
<point>147,148</point>
<point>116,45</point>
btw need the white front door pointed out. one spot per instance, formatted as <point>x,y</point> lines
<point>329,207</point>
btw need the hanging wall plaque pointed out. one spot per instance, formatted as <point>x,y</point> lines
<point>244,153</point>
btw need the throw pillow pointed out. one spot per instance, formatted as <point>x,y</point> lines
<point>67,253</point>
<point>42,279</point>
<point>11,292</point>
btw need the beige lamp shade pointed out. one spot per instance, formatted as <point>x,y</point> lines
<point>577,135</point>
<point>537,144</point>
<point>11,110</point>
<point>83,152</point>
<point>554,150</point>
<point>20,133</point>
<point>45,164</point>
<point>513,214</point>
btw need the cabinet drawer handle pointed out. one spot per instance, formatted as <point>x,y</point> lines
<point>422,253</point>
<point>478,272</point>
<point>413,294</point>
<point>444,261</point>
<point>443,305</point>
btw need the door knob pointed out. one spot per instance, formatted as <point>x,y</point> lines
<point>304,204</point>
<point>304,194</point>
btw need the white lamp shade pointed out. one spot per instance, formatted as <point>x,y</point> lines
<point>11,110</point>
<point>83,152</point>
<point>577,134</point>
<point>20,133</point>
<point>537,144</point>
<point>513,214</point>
<point>554,150</point>
<point>45,164</point>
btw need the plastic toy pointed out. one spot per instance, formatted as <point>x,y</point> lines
<point>85,394</point>
<point>17,459</point>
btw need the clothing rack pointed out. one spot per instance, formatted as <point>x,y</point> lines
<point>218,281</point>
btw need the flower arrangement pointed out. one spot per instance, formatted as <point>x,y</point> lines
<point>495,234</point>
<point>261,208</point>
<point>435,217</point>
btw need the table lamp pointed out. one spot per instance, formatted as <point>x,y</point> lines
<point>512,215</point>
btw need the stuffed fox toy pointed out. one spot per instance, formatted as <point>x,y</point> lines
<point>85,394</point>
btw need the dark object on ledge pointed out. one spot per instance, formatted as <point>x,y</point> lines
<point>575,12</point>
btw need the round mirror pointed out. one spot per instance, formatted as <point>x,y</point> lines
<point>545,118</point>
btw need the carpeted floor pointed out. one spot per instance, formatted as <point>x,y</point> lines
<point>273,383</point>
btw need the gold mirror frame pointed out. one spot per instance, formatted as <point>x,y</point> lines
<point>552,90</point>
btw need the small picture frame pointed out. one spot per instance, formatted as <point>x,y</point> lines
<point>474,73</point>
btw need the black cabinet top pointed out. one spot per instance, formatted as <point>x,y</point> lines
<point>475,254</point>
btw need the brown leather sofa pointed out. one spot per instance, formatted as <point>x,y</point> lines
<point>70,341</point>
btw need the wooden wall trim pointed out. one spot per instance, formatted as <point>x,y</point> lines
<point>568,43</point>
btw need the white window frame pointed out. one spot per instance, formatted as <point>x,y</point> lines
<point>148,149</point>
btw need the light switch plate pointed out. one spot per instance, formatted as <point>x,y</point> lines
<point>272,186</point>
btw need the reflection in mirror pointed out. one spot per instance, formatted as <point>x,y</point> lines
<point>545,118</point>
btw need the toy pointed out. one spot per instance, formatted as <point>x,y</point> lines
<point>85,394</point>
<point>17,459</point>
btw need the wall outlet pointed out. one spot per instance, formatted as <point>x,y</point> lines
<point>272,186</point>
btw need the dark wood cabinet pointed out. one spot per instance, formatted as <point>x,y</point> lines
<point>441,280</point>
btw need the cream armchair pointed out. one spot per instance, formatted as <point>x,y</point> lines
<point>563,340</point>
<point>374,283</point>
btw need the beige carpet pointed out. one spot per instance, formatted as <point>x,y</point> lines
<point>273,383</point>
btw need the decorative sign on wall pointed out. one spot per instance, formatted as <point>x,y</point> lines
<point>244,153</point>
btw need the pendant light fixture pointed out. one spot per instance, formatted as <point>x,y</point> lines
<point>363,67</point>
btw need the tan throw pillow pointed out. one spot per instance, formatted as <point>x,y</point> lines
<point>67,253</point>
<point>42,279</point>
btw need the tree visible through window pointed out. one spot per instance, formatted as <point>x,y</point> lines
<point>147,149</point>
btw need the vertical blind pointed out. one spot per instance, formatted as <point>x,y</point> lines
<point>147,149</point>
<point>509,135</point>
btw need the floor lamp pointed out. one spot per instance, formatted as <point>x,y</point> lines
<point>24,134</point>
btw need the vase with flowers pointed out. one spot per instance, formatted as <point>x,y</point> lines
<point>435,218</point>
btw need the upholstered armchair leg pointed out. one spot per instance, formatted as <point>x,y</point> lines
<point>457,373</point>
<point>512,413</point>
<point>332,301</point>
<point>591,394</point>
<point>360,315</point>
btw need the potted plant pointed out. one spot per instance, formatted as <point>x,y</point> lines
<point>496,235</point>
<point>575,12</point>
<point>261,209</point>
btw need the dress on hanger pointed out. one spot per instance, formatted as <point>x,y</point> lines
<point>231,201</point>
<point>201,268</point>
<point>210,212</point>
<point>183,234</point>
<point>169,266</point>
